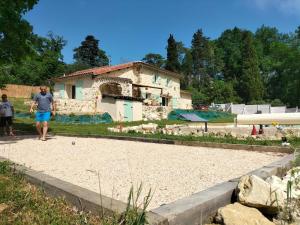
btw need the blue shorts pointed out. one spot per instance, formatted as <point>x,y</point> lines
<point>42,116</point>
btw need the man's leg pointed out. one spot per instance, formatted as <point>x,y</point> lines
<point>38,128</point>
<point>45,129</point>
<point>10,128</point>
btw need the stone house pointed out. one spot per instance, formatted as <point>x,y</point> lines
<point>128,92</point>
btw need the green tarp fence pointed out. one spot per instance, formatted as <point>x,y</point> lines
<point>75,119</point>
<point>84,119</point>
<point>208,115</point>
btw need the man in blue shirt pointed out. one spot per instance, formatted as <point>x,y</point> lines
<point>43,100</point>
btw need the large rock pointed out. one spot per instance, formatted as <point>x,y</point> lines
<point>237,214</point>
<point>281,184</point>
<point>255,192</point>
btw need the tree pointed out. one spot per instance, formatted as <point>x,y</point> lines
<point>222,92</point>
<point>187,69</point>
<point>250,85</point>
<point>172,62</point>
<point>230,45</point>
<point>154,59</point>
<point>15,35</point>
<point>45,62</point>
<point>90,54</point>
<point>199,51</point>
<point>15,31</point>
<point>266,36</point>
<point>285,81</point>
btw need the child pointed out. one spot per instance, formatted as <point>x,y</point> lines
<point>7,113</point>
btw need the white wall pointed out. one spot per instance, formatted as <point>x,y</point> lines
<point>185,101</point>
<point>108,105</point>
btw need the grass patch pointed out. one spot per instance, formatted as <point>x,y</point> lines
<point>27,126</point>
<point>24,204</point>
<point>19,105</point>
<point>27,204</point>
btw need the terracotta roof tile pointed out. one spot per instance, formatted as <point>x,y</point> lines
<point>106,69</point>
<point>99,70</point>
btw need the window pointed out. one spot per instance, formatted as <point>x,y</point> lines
<point>148,95</point>
<point>168,82</point>
<point>73,91</point>
<point>156,78</point>
<point>165,101</point>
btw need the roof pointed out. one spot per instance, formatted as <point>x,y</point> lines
<point>185,92</point>
<point>107,69</point>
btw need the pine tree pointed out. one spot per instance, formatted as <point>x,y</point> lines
<point>199,53</point>
<point>250,84</point>
<point>187,69</point>
<point>172,62</point>
<point>90,54</point>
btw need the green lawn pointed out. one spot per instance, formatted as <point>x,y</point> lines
<point>19,105</point>
<point>27,126</point>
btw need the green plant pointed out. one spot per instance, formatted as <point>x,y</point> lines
<point>135,213</point>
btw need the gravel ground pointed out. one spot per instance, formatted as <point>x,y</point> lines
<point>173,172</point>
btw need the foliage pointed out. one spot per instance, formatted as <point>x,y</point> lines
<point>15,35</point>
<point>90,54</point>
<point>199,51</point>
<point>15,31</point>
<point>154,59</point>
<point>172,62</point>
<point>250,84</point>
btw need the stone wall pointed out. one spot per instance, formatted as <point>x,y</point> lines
<point>155,112</point>
<point>19,91</point>
<point>68,106</point>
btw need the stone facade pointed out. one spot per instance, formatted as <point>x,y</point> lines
<point>160,89</point>
<point>68,106</point>
<point>155,112</point>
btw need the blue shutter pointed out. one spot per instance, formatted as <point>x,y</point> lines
<point>79,88</point>
<point>61,88</point>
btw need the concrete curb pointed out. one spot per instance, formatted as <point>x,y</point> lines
<point>194,209</point>
<point>258,148</point>
<point>200,207</point>
<point>82,198</point>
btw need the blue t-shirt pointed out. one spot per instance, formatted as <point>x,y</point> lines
<point>44,102</point>
<point>6,109</point>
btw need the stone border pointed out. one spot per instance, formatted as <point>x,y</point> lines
<point>200,207</point>
<point>258,148</point>
<point>82,198</point>
<point>195,209</point>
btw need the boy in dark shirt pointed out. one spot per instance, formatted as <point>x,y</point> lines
<point>7,114</point>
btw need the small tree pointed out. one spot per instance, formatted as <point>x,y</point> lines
<point>154,59</point>
<point>90,54</point>
<point>251,86</point>
<point>172,62</point>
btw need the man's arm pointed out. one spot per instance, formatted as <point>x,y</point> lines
<point>32,105</point>
<point>53,107</point>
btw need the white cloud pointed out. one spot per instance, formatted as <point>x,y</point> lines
<point>286,6</point>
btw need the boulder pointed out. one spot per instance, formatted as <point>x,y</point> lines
<point>237,214</point>
<point>281,184</point>
<point>255,192</point>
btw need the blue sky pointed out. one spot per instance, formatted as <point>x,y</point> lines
<point>129,29</point>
